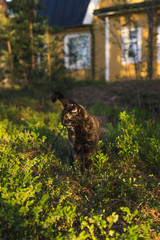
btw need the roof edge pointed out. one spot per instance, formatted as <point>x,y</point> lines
<point>119,9</point>
<point>88,18</point>
<point>78,26</point>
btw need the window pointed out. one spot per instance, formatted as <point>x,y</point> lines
<point>158,44</point>
<point>77,51</point>
<point>131,45</point>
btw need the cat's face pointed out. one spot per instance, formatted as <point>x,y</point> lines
<point>71,115</point>
<point>56,95</point>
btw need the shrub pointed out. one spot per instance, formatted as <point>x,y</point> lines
<point>137,140</point>
<point>127,141</point>
<point>42,198</point>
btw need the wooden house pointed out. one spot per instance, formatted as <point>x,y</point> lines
<point>75,38</point>
<point>121,41</point>
<point>114,40</point>
<point>3,5</point>
<point>132,39</point>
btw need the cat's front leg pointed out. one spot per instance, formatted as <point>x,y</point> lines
<point>71,154</point>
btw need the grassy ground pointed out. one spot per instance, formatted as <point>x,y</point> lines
<point>41,196</point>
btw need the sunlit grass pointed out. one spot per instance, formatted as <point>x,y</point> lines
<point>43,198</point>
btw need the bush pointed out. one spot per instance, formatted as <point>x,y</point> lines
<point>137,140</point>
<point>42,198</point>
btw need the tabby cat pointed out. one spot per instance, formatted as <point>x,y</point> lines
<point>83,130</point>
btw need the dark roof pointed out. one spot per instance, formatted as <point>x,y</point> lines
<point>64,13</point>
<point>102,12</point>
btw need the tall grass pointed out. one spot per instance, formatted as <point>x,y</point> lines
<point>43,198</point>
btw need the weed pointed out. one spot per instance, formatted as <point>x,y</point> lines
<point>42,198</point>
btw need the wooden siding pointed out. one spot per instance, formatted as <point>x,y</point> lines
<point>118,71</point>
<point>99,50</point>
<point>111,3</point>
<point>78,74</point>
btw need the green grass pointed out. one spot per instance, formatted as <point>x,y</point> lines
<point>42,198</point>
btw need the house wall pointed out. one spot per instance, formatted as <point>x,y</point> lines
<point>111,3</point>
<point>118,71</point>
<point>156,64</point>
<point>99,50</point>
<point>78,74</point>
<point>3,5</point>
<point>97,69</point>
<point>3,8</point>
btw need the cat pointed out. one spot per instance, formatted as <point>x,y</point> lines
<point>83,130</point>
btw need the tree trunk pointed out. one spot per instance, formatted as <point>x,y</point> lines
<point>32,44</point>
<point>48,54</point>
<point>11,62</point>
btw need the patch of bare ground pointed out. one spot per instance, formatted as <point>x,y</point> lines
<point>127,95</point>
<point>124,94</point>
<point>89,95</point>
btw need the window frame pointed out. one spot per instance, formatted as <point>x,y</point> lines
<point>158,44</point>
<point>126,59</point>
<point>80,64</point>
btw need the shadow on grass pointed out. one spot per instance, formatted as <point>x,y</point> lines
<point>12,223</point>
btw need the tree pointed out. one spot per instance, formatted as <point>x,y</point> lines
<point>7,54</point>
<point>24,30</point>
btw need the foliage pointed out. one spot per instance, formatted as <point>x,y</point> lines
<point>31,55</point>
<point>136,140</point>
<point>43,198</point>
<point>25,35</point>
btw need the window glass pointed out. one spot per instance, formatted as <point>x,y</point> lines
<point>77,51</point>
<point>131,45</point>
<point>73,51</point>
<point>158,44</point>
